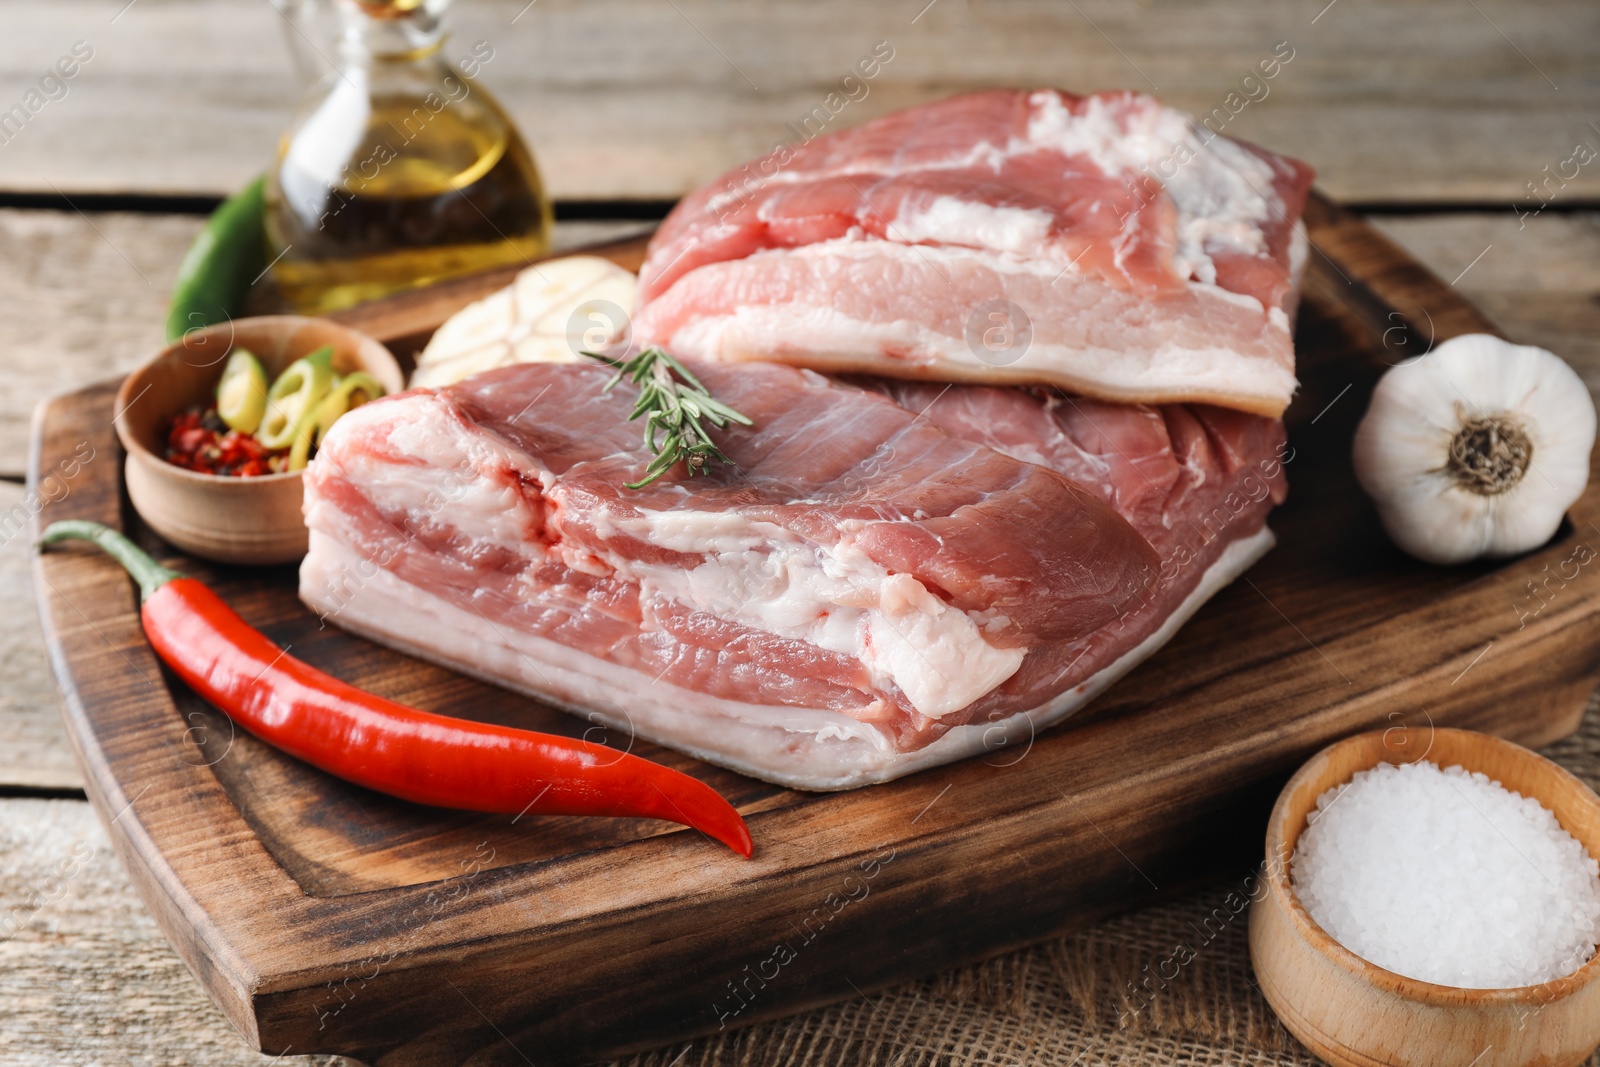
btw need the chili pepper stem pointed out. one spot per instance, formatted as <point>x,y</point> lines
<point>136,561</point>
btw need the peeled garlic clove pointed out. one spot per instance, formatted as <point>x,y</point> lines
<point>1475,449</point>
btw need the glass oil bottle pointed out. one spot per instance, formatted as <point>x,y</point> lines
<point>399,170</point>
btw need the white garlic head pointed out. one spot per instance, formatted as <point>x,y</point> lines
<point>1477,448</point>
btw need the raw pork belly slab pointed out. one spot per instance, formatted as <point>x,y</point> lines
<point>874,588</point>
<point>1154,260</point>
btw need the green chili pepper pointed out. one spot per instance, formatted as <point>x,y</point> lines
<point>229,255</point>
<point>242,392</point>
<point>348,393</point>
<point>294,396</point>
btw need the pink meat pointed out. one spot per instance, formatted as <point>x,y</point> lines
<point>1163,468</point>
<point>1154,260</point>
<point>1062,530</point>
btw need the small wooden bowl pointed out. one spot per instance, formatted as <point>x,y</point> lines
<point>1356,1014</point>
<point>230,520</point>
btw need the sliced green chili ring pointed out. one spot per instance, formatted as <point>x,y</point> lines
<point>297,391</point>
<point>242,392</point>
<point>358,384</point>
<point>348,393</point>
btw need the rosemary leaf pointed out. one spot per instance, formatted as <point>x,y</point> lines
<point>673,403</point>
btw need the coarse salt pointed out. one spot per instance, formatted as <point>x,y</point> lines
<point>1448,877</point>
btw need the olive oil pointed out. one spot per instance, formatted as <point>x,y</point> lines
<point>400,172</point>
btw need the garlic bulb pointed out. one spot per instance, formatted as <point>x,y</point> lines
<point>1475,449</point>
<point>552,310</point>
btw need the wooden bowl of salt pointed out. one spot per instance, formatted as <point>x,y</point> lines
<point>1355,1013</point>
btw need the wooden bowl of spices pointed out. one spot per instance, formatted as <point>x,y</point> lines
<point>1437,870</point>
<point>227,518</point>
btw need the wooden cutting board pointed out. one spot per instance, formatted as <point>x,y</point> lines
<point>324,918</point>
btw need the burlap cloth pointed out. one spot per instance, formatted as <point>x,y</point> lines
<point>1064,1003</point>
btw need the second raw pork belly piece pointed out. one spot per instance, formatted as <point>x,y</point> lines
<point>867,592</point>
<point>1145,257</point>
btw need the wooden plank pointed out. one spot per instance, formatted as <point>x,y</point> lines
<point>85,975</point>
<point>85,298</point>
<point>1536,277</point>
<point>33,750</point>
<point>1412,102</point>
<point>636,937</point>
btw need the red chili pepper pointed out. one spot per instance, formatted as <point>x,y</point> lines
<point>377,743</point>
<point>195,443</point>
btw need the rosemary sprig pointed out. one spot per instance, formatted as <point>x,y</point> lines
<point>673,410</point>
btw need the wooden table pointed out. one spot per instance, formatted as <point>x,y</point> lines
<point>1433,115</point>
